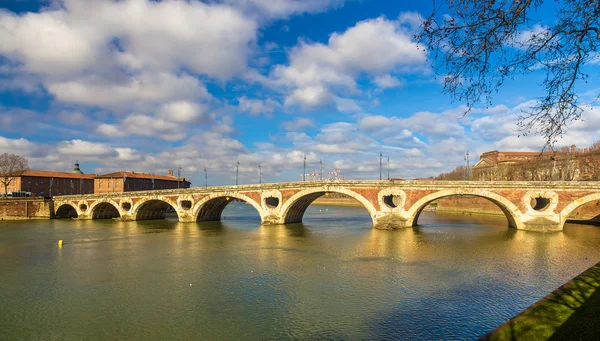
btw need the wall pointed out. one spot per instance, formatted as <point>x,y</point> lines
<point>25,208</point>
<point>467,204</point>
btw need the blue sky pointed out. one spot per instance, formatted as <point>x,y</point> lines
<point>150,85</point>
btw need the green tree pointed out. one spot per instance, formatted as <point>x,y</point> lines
<point>479,44</point>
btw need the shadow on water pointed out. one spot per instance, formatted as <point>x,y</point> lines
<point>569,313</point>
<point>298,230</point>
<point>212,228</point>
<point>157,226</point>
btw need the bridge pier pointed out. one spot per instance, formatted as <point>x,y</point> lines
<point>541,223</point>
<point>383,221</point>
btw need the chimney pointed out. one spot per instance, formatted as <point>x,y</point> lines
<point>170,172</point>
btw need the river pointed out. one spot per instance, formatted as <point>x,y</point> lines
<point>333,277</point>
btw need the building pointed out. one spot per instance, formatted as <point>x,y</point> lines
<point>134,181</point>
<point>48,183</point>
<point>566,164</point>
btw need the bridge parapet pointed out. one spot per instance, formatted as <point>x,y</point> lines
<point>542,206</point>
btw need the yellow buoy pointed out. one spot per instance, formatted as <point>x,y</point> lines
<point>60,243</point>
<point>326,210</point>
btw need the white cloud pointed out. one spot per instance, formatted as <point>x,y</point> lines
<point>309,97</point>
<point>110,130</point>
<point>143,125</point>
<point>299,123</point>
<point>85,148</point>
<point>156,35</point>
<point>146,88</point>
<point>283,8</point>
<point>346,105</point>
<point>375,46</point>
<point>414,152</point>
<point>525,37</point>
<point>387,81</point>
<point>257,106</point>
<point>374,122</point>
<point>49,42</point>
<point>182,111</point>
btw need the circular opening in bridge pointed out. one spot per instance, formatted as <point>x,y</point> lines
<point>83,207</point>
<point>272,202</point>
<point>66,211</point>
<point>126,206</point>
<point>539,203</point>
<point>186,204</point>
<point>105,211</point>
<point>392,201</point>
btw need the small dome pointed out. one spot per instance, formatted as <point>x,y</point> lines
<point>76,170</point>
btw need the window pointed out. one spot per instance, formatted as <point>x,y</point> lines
<point>100,183</point>
<point>117,184</point>
<point>108,183</point>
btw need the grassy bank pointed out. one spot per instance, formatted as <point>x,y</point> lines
<point>571,312</point>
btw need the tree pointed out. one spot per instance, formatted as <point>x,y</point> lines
<point>480,44</point>
<point>459,173</point>
<point>11,166</point>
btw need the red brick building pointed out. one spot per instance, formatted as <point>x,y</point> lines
<point>48,183</point>
<point>134,181</point>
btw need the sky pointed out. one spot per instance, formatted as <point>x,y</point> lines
<point>149,86</point>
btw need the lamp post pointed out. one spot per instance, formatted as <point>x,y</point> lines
<point>237,172</point>
<point>304,172</point>
<point>178,175</point>
<point>388,167</point>
<point>380,158</point>
<point>205,178</point>
<point>321,170</point>
<point>259,174</point>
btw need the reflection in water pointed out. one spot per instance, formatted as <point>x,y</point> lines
<point>331,277</point>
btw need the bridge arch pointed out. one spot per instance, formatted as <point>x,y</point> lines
<point>66,211</point>
<point>211,207</point>
<point>564,214</point>
<point>105,209</point>
<point>510,210</point>
<point>153,208</point>
<point>293,209</point>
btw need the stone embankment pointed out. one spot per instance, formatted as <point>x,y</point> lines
<point>25,208</point>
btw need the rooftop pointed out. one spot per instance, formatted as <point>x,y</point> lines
<point>62,175</point>
<point>136,175</point>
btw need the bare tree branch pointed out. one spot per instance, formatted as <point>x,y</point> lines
<point>480,44</point>
<point>11,166</point>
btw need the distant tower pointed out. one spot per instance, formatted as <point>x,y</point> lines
<point>76,170</point>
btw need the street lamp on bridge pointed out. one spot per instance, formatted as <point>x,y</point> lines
<point>237,172</point>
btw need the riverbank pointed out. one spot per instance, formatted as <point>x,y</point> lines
<point>25,208</point>
<point>569,313</point>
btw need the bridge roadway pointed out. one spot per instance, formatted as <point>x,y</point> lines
<point>537,206</point>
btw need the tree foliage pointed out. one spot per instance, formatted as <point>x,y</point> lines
<point>480,44</point>
<point>11,165</point>
<point>459,173</point>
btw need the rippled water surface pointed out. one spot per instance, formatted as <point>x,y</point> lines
<point>333,277</point>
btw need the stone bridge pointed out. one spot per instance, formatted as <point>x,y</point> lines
<point>539,206</point>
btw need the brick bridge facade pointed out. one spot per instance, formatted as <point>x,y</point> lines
<point>539,206</point>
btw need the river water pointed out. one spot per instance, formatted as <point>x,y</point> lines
<point>333,277</point>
